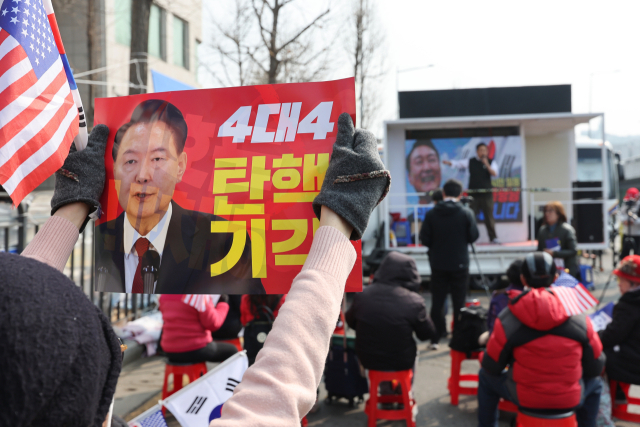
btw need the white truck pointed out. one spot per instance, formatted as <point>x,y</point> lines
<point>552,165</point>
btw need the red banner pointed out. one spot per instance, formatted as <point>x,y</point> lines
<point>210,191</point>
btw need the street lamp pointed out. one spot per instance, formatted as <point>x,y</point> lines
<point>406,70</point>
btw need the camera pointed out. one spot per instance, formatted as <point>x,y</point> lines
<point>466,200</point>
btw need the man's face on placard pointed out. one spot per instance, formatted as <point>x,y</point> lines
<point>424,169</point>
<point>147,169</point>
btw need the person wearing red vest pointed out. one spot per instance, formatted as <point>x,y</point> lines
<point>554,360</point>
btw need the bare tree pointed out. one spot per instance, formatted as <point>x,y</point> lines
<point>259,46</point>
<point>140,11</point>
<point>231,46</point>
<point>365,45</point>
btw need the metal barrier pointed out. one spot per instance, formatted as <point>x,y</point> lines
<point>16,232</point>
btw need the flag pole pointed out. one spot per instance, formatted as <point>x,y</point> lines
<point>81,139</point>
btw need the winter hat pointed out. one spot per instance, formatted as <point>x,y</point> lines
<point>632,194</point>
<point>59,356</point>
<point>538,269</point>
<point>629,268</point>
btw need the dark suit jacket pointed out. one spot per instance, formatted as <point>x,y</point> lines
<point>189,251</point>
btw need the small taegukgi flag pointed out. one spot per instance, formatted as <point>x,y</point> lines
<point>200,402</point>
<point>40,109</point>
<point>574,297</point>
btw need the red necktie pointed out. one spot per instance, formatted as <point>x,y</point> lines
<point>142,246</point>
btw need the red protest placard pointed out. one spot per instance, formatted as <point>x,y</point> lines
<point>210,191</point>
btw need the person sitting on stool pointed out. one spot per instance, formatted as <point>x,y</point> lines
<point>480,173</point>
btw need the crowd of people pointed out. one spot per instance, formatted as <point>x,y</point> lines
<point>60,358</point>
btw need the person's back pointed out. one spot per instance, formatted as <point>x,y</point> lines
<point>386,314</point>
<point>554,359</point>
<point>447,230</point>
<point>547,347</point>
<point>185,327</point>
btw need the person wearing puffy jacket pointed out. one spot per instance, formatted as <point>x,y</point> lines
<point>554,360</point>
<point>188,322</point>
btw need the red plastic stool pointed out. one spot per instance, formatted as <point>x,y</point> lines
<point>455,389</point>
<point>621,411</point>
<point>371,407</point>
<point>192,371</point>
<point>525,420</point>
<point>234,342</point>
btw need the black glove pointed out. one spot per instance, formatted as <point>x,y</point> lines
<point>356,181</point>
<point>81,178</point>
<point>224,298</point>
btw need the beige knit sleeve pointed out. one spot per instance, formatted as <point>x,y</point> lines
<point>280,388</point>
<point>54,242</point>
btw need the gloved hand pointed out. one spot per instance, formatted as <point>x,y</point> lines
<point>224,298</point>
<point>356,180</point>
<point>81,178</point>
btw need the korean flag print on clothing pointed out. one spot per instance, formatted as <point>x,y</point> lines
<point>200,402</point>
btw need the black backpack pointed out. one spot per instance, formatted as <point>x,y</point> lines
<point>470,325</point>
<point>256,331</point>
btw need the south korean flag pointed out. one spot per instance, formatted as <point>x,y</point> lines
<point>200,402</point>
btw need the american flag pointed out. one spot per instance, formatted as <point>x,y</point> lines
<point>575,298</point>
<point>40,108</point>
<point>149,419</point>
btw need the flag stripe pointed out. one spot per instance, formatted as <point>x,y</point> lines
<point>14,74</point>
<point>9,58</point>
<point>37,160</point>
<point>34,143</point>
<point>12,128</point>
<point>7,44</point>
<point>3,36</point>
<point>34,127</point>
<point>48,168</point>
<point>29,91</point>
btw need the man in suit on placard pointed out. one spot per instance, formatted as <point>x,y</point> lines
<point>149,160</point>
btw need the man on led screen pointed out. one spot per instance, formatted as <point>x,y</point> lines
<point>423,168</point>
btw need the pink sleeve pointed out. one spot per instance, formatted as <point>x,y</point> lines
<point>280,388</point>
<point>54,242</point>
<point>213,317</point>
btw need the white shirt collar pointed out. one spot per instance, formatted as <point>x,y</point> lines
<point>157,236</point>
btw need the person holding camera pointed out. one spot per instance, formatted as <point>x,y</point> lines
<point>629,218</point>
<point>447,230</point>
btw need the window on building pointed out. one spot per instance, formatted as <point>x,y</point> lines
<point>180,42</point>
<point>123,22</point>
<point>157,44</point>
<point>197,60</point>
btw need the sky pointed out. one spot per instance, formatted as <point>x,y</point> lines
<point>594,46</point>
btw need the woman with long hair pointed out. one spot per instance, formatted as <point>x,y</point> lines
<point>558,238</point>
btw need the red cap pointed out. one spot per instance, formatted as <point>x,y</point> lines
<point>629,268</point>
<point>632,193</point>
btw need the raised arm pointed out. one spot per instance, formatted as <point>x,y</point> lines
<point>79,185</point>
<point>280,388</point>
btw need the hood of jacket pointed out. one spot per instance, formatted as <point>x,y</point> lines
<point>446,208</point>
<point>398,269</point>
<point>537,308</point>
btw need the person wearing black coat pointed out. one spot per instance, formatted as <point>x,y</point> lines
<point>387,313</point>
<point>621,338</point>
<point>447,231</point>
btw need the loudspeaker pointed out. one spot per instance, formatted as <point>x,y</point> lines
<point>587,218</point>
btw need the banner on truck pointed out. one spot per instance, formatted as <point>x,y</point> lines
<point>209,191</point>
<point>425,171</point>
